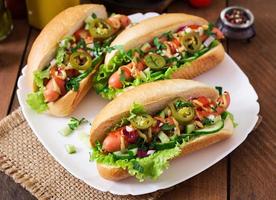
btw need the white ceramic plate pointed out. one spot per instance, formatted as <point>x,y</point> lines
<point>244,106</point>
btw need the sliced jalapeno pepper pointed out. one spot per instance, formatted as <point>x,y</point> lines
<point>184,115</point>
<point>191,41</point>
<point>80,60</point>
<point>142,121</point>
<point>100,29</point>
<point>155,61</point>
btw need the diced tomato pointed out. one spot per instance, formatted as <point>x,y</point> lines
<point>203,100</point>
<point>176,42</point>
<point>201,114</point>
<point>218,33</point>
<point>113,141</point>
<point>125,21</point>
<point>81,33</point>
<point>155,129</point>
<point>114,80</point>
<point>169,120</point>
<point>194,26</point>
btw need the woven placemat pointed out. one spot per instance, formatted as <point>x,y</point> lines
<point>24,159</point>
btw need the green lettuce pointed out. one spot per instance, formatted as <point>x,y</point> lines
<point>149,167</point>
<point>40,75</point>
<point>36,101</point>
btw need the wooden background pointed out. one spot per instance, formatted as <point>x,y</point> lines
<point>249,172</point>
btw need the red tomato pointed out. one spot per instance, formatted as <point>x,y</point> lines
<point>169,120</point>
<point>203,100</point>
<point>218,33</point>
<point>176,42</point>
<point>155,129</point>
<point>50,94</point>
<point>200,3</point>
<point>193,26</point>
<point>201,114</point>
<point>81,33</point>
<point>61,85</point>
<point>113,141</point>
<point>125,21</point>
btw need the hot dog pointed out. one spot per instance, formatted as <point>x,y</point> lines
<point>66,54</point>
<point>140,131</point>
<point>167,46</point>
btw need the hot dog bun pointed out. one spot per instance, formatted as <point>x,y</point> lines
<point>154,96</point>
<point>146,30</point>
<point>45,46</point>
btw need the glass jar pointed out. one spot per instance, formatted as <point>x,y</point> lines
<point>6,25</point>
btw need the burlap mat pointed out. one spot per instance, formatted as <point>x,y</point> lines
<point>24,159</point>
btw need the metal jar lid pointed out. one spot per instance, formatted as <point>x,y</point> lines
<point>248,13</point>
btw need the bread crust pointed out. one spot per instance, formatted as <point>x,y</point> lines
<point>45,45</point>
<point>116,174</point>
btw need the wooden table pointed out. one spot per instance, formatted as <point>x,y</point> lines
<point>249,171</point>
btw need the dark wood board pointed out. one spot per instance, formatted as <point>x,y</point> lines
<point>253,164</point>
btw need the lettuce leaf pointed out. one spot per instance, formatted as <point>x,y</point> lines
<point>36,101</point>
<point>40,75</point>
<point>149,167</point>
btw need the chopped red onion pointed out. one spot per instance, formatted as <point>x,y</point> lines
<point>150,152</point>
<point>141,153</point>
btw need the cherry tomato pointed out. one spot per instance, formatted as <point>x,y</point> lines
<point>200,3</point>
<point>114,80</point>
<point>218,33</point>
<point>113,141</point>
<point>125,21</point>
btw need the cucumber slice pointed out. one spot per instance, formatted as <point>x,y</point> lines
<point>126,155</point>
<point>162,146</point>
<point>210,129</point>
<point>190,128</point>
<point>163,137</point>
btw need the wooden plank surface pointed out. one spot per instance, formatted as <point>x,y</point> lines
<point>253,164</point>
<point>212,183</point>
<point>11,52</point>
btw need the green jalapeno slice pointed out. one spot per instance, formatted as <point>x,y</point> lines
<point>191,41</point>
<point>155,61</point>
<point>80,60</point>
<point>100,29</point>
<point>183,115</point>
<point>142,121</point>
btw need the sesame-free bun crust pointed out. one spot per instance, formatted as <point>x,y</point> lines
<point>146,30</point>
<point>44,48</point>
<point>154,96</point>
